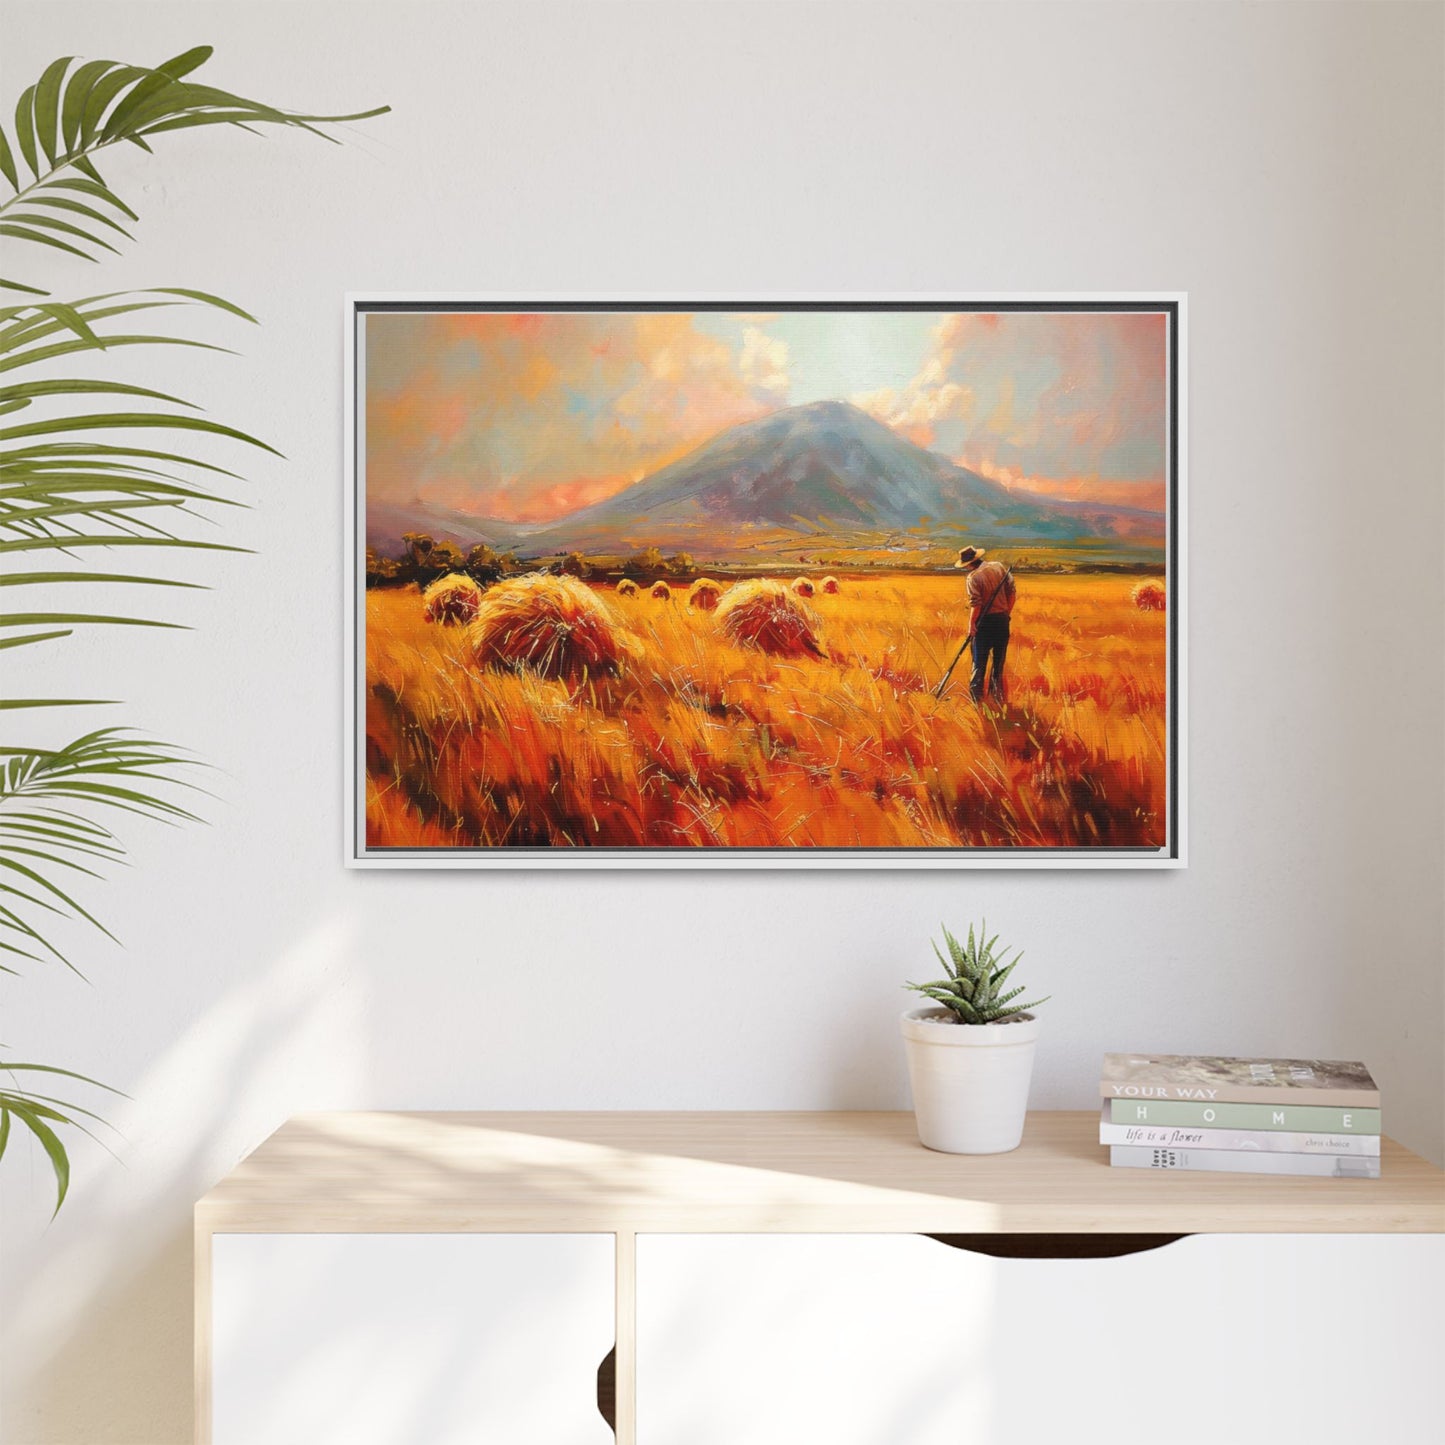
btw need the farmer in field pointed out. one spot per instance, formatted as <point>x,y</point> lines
<point>991,597</point>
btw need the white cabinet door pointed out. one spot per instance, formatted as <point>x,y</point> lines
<point>410,1339</point>
<point>900,1340</point>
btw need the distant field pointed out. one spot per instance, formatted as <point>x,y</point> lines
<point>699,743</point>
<point>788,552</point>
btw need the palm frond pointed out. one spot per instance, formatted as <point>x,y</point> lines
<point>42,837</point>
<point>40,1113</point>
<point>74,112</point>
<point>74,482</point>
<point>63,491</point>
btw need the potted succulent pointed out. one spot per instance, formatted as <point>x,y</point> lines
<point>970,1058</point>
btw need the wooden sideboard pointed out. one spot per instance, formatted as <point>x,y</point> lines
<point>710,1207</point>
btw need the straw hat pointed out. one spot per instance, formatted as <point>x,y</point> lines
<point>970,557</point>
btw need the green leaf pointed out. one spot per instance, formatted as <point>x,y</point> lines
<point>78,208</point>
<point>21,286</point>
<point>124,419</point>
<point>25,130</point>
<point>31,390</point>
<point>50,579</point>
<point>188,97</point>
<point>939,995</point>
<point>27,323</point>
<point>69,318</point>
<point>67,543</point>
<point>47,108</point>
<point>29,1097</point>
<point>102,93</point>
<point>1004,972</point>
<point>7,161</point>
<point>205,298</point>
<point>15,704</point>
<point>77,89</point>
<point>99,192</point>
<point>79,619</point>
<point>189,121</point>
<point>54,223</point>
<point>154,83</point>
<point>117,420</point>
<point>22,233</point>
<point>137,488</point>
<point>187,61</point>
<point>10,1067</point>
<point>30,639</point>
<point>67,348</point>
<point>50,1142</point>
<point>25,851</point>
<point>960,960</point>
<point>124,514</point>
<point>948,967</point>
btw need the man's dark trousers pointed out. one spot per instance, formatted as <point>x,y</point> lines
<point>989,640</point>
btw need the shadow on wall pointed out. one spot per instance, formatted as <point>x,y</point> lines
<point>97,1333</point>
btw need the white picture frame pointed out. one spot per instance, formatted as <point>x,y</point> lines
<point>358,854</point>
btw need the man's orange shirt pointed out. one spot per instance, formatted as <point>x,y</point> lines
<point>991,580</point>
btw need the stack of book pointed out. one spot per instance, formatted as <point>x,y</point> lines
<point>1243,1116</point>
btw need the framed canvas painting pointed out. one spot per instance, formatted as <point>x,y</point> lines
<point>762,583</point>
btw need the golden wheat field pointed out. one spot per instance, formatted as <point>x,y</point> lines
<point>699,743</point>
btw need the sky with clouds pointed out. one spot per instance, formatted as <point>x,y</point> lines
<point>528,416</point>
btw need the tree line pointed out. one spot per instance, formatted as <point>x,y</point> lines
<point>424,559</point>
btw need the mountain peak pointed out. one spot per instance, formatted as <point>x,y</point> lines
<point>829,406</point>
<point>821,468</point>
<point>828,412</point>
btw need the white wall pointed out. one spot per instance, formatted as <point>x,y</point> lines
<point>1281,164</point>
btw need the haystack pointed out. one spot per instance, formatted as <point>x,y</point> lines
<point>1150,596</point>
<point>452,599</point>
<point>829,584</point>
<point>661,591</point>
<point>803,586</point>
<point>767,616</point>
<point>627,588</point>
<point>704,594</point>
<point>554,626</point>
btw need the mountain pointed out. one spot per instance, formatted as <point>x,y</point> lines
<point>825,470</point>
<point>387,522</point>
<point>1109,519</point>
<point>825,474</point>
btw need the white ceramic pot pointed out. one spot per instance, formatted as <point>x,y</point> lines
<point>970,1081</point>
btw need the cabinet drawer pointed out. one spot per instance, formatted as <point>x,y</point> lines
<point>391,1339</point>
<point>864,1339</point>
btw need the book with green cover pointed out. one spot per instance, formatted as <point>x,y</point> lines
<point>1306,1118</point>
<point>1221,1136</point>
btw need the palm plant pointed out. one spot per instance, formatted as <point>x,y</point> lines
<point>75,485</point>
<point>973,989</point>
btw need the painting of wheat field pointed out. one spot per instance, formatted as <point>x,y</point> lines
<point>784,583</point>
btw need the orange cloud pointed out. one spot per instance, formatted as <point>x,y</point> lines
<point>1042,395</point>
<point>525,417</point>
<point>1147,496</point>
<point>917,409</point>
